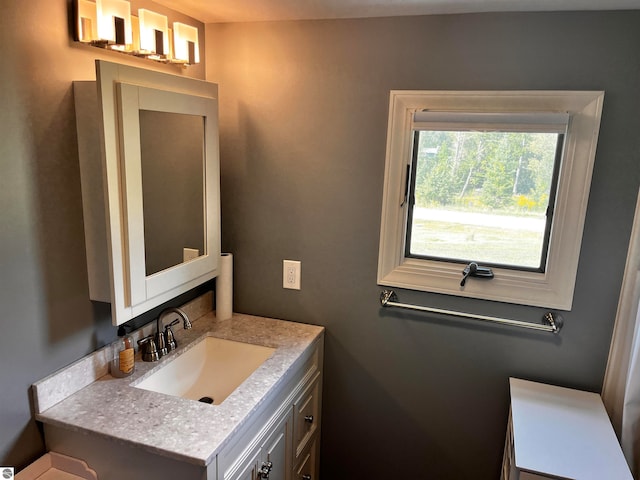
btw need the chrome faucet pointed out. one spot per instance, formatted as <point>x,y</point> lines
<point>165,341</point>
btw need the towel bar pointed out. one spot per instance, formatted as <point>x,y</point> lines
<point>388,298</point>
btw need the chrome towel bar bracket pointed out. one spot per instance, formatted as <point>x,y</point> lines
<point>552,321</point>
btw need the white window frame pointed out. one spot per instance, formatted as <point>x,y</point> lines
<point>552,288</point>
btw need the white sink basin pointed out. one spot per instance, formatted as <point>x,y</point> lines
<point>213,368</point>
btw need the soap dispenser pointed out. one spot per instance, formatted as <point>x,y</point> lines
<point>122,355</point>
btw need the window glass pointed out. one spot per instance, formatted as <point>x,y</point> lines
<point>483,196</point>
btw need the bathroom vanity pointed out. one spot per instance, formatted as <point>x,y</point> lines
<point>267,428</point>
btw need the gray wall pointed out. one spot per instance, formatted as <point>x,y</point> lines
<point>303,129</point>
<point>46,317</point>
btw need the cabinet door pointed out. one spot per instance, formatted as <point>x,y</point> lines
<point>248,471</point>
<point>276,452</point>
<point>508,470</point>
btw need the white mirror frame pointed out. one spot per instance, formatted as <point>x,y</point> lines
<point>122,92</point>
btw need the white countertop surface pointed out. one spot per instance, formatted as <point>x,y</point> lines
<point>564,433</point>
<point>183,429</point>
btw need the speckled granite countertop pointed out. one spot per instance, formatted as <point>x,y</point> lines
<point>175,427</point>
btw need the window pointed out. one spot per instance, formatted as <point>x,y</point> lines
<point>497,178</point>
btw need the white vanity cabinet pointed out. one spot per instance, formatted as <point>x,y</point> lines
<point>557,432</point>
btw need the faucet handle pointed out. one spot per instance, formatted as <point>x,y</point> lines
<point>149,349</point>
<point>168,334</point>
<point>162,346</point>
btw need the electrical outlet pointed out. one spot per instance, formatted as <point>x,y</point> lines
<point>189,254</point>
<point>291,274</point>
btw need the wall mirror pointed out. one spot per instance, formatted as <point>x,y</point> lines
<point>157,177</point>
<point>172,159</point>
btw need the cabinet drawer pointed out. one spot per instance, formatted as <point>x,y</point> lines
<point>306,415</point>
<point>307,468</point>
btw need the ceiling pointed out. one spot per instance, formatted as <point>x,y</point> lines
<point>215,11</point>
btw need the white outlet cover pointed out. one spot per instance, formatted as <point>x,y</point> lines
<point>189,254</point>
<point>291,274</point>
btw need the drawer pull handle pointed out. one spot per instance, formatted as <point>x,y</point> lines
<point>306,477</point>
<point>308,419</point>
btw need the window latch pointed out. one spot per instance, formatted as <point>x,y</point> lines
<point>475,270</point>
<point>407,181</point>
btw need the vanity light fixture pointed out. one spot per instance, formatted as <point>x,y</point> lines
<point>154,34</point>
<point>110,24</point>
<point>114,23</point>
<point>185,44</point>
